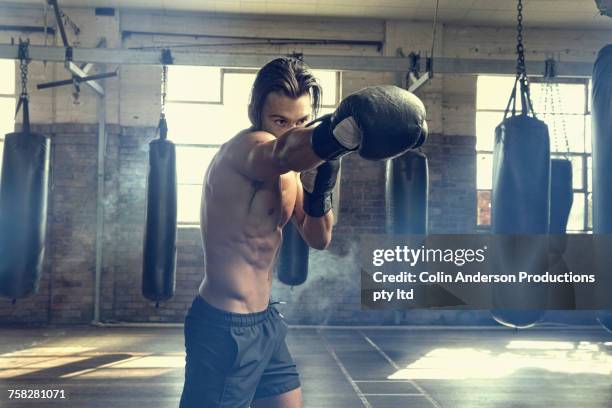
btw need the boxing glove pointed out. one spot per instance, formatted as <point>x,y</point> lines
<point>318,185</point>
<point>379,122</point>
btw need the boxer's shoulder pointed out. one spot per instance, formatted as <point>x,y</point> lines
<point>250,137</point>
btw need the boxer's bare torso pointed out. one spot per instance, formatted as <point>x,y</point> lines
<point>242,221</point>
<point>251,190</point>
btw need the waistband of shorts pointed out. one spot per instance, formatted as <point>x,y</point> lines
<point>202,308</point>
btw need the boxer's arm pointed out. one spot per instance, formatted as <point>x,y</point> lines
<point>261,156</point>
<point>316,231</point>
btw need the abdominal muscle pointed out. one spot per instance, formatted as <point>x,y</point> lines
<point>242,223</point>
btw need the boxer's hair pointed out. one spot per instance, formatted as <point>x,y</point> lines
<point>286,75</point>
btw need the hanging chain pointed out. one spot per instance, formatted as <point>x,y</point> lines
<point>563,124</point>
<point>520,49</point>
<point>23,66</point>
<point>164,89</point>
<point>550,102</point>
<point>521,70</point>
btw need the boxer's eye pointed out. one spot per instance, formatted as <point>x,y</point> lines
<point>301,122</point>
<point>280,122</point>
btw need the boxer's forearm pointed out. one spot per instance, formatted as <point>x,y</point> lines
<point>293,150</point>
<point>317,231</point>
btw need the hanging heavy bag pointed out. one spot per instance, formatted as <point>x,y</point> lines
<point>159,259</point>
<point>602,173</point>
<point>23,209</point>
<point>521,173</point>
<point>561,296</point>
<point>23,201</point>
<point>407,194</point>
<point>292,263</point>
<point>561,200</point>
<point>602,142</point>
<point>520,203</point>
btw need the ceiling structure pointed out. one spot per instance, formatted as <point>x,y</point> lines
<point>578,14</point>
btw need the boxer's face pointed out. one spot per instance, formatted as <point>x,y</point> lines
<point>281,112</point>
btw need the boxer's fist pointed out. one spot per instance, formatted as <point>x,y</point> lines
<point>318,185</point>
<point>380,122</point>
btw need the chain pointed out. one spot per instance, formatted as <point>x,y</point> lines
<point>563,124</point>
<point>520,49</point>
<point>164,89</point>
<point>549,102</point>
<point>23,67</point>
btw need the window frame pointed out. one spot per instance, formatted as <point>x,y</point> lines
<point>223,72</point>
<point>12,96</point>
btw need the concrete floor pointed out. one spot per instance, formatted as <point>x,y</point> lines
<point>370,367</point>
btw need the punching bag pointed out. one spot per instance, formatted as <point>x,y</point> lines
<point>602,165</point>
<point>23,209</point>
<point>521,174</point>
<point>292,263</point>
<point>561,195</point>
<point>602,142</point>
<point>520,205</point>
<point>159,257</point>
<point>407,194</point>
<point>562,295</point>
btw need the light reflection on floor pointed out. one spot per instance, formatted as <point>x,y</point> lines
<point>86,363</point>
<point>478,363</point>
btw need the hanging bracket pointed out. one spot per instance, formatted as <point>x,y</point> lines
<point>415,79</point>
<point>550,68</point>
<point>79,74</point>
<point>166,57</point>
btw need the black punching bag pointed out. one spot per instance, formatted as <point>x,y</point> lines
<point>562,295</point>
<point>602,142</point>
<point>561,195</point>
<point>520,205</point>
<point>602,168</point>
<point>159,258</point>
<point>407,194</point>
<point>521,177</point>
<point>292,263</point>
<point>23,209</point>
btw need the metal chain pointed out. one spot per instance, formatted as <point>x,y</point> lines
<point>164,89</point>
<point>563,124</point>
<point>550,102</point>
<point>520,49</point>
<point>545,96</point>
<point>23,67</point>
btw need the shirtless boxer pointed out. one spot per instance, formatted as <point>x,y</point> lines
<point>276,170</point>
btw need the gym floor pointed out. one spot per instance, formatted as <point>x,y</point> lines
<point>339,367</point>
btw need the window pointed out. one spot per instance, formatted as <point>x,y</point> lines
<point>7,101</point>
<point>565,107</point>
<point>206,106</point>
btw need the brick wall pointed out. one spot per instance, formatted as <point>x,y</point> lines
<point>330,295</point>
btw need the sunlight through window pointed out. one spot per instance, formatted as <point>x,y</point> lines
<point>206,107</point>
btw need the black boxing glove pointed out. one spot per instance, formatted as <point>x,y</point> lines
<point>380,122</point>
<point>318,184</point>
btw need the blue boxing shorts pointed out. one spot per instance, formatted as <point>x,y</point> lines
<point>233,358</point>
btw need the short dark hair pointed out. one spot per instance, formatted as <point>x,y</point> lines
<point>287,75</point>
